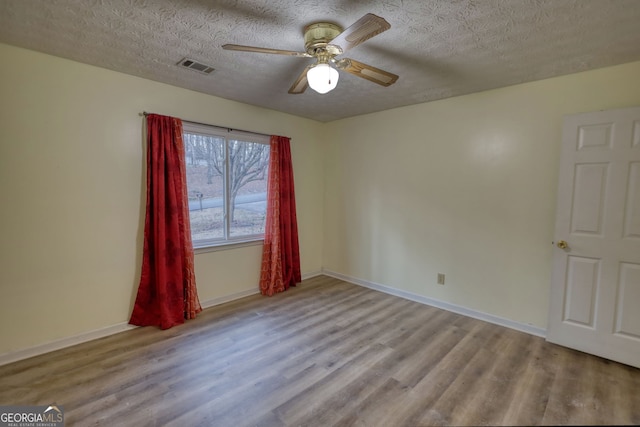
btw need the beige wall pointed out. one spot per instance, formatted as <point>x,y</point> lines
<point>464,186</point>
<point>72,186</point>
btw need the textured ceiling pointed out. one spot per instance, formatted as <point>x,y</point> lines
<point>438,48</point>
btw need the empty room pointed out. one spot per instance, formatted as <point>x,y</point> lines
<point>319,213</point>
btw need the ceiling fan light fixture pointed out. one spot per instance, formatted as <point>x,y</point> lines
<point>324,41</point>
<point>322,78</point>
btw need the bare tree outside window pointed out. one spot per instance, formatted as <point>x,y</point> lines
<point>213,162</point>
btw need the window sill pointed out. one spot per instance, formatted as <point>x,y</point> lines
<point>227,245</point>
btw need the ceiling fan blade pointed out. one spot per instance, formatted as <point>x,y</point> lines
<point>301,84</point>
<point>362,30</point>
<point>265,50</point>
<point>368,72</point>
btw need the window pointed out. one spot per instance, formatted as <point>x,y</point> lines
<point>227,184</point>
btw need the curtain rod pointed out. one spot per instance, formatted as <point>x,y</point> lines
<point>144,113</point>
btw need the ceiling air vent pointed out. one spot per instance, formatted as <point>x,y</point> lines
<point>195,66</point>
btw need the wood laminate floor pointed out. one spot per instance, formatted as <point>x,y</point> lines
<point>326,353</point>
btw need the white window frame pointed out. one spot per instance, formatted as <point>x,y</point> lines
<point>226,242</point>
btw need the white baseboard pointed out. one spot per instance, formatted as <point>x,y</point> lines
<point>522,327</point>
<point>37,350</point>
<point>311,274</point>
<point>14,356</point>
<point>228,298</point>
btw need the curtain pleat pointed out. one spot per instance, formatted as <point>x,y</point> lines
<point>167,292</point>
<point>280,254</point>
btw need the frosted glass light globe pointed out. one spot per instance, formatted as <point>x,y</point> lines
<point>322,78</point>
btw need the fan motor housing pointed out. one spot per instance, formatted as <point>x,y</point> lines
<point>317,36</point>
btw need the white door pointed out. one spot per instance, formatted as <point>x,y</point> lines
<point>595,289</point>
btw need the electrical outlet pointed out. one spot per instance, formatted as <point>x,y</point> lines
<point>440,279</point>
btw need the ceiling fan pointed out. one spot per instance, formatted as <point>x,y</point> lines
<point>324,41</point>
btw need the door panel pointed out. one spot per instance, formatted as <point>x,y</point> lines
<point>595,289</point>
<point>628,312</point>
<point>588,198</point>
<point>632,214</point>
<point>583,275</point>
<point>594,136</point>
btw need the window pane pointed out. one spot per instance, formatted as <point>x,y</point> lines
<point>205,184</point>
<point>248,173</point>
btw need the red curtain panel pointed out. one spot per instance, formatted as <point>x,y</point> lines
<point>167,292</point>
<point>280,254</point>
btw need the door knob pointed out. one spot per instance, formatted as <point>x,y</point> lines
<point>562,244</point>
